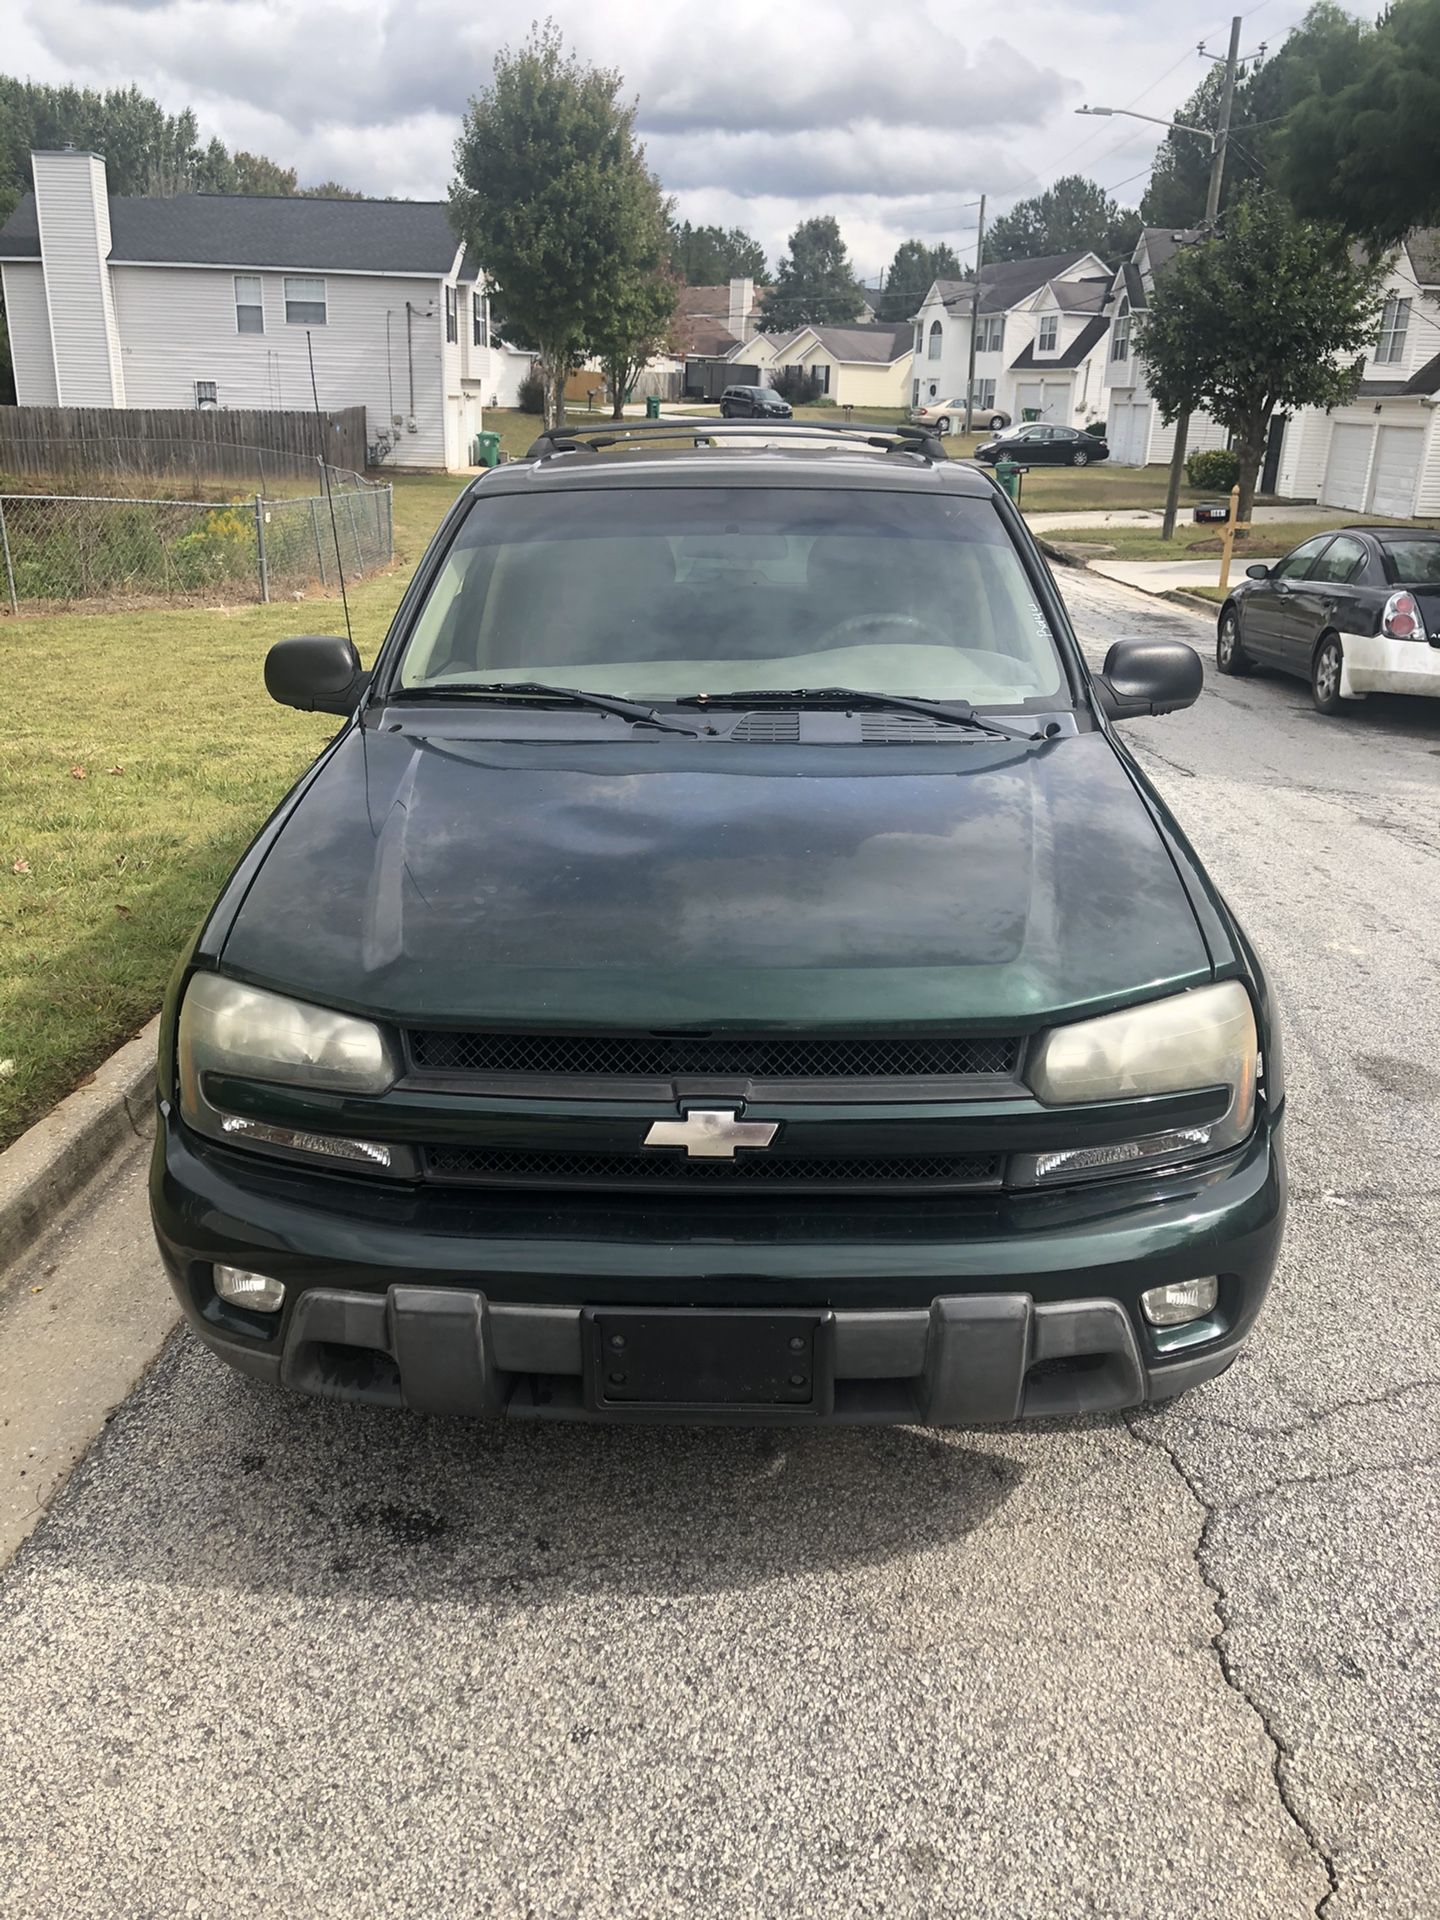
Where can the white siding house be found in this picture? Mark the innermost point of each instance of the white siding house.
(1137, 435)
(1039, 342)
(215, 300)
(1381, 454)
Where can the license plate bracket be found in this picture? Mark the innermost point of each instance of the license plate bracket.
(729, 1362)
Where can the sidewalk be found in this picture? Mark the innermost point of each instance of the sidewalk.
(1152, 517)
(1163, 576)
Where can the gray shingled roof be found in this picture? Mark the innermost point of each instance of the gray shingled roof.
(245, 230)
(1003, 283)
(1071, 357)
(878, 345)
(1423, 247)
(1162, 243)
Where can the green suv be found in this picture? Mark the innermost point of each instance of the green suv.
(726, 966)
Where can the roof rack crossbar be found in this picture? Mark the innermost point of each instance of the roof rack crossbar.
(884, 436)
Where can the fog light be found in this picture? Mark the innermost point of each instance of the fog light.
(244, 1289)
(1180, 1302)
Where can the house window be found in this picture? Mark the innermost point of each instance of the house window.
(1120, 344)
(919, 336)
(984, 395)
(249, 308)
(304, 302)
(990, 334)
(206, 394)
(1049, 333)
(914, 393)
(1393, 326)
(936, 333)
(478, 333)
(822, 378)
(452, 314)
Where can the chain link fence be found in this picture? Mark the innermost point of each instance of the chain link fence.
(56, 549)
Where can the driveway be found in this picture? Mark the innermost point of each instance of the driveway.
(269, 1656)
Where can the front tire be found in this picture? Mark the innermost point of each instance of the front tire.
(1325, 678)
(1230, 654)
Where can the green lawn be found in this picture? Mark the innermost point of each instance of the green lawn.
(140, 755)
(1266, 541)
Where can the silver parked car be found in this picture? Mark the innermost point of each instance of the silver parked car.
(948, 416)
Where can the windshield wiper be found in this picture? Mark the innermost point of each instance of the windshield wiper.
(957, 713)
(501, 690)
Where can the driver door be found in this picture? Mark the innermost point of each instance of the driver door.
(1264, 610)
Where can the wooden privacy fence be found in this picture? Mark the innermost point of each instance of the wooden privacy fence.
(202, 443)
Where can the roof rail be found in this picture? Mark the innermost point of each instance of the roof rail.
(884, 436)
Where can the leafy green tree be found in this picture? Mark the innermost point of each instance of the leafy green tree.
(708, 256)
(553, 192)
(639, 324)
(1269, 316)
(1069, 217)
(255, 174)
(910, 276)
(816, 285)
(1362, 144)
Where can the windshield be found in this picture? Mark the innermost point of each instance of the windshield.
(1415, 562)
(653, 594)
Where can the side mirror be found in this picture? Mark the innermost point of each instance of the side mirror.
(318, 673)
(1149, 676)
(1257, 571)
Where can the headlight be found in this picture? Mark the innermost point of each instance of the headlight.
(254, 1035)
(1185, 1044)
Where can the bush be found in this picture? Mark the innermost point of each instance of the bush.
(1216, 470)
(532, 394)
(1097, 427)
(799, 385)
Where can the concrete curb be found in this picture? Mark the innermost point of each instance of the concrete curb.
(41, 1172)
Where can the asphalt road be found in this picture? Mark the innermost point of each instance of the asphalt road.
(269, 1656)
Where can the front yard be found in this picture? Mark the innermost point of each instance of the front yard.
(141, 753)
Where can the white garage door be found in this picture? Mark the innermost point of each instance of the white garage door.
(1346, 468)
(1029, 398)
(1397, 469)
(1127, 434)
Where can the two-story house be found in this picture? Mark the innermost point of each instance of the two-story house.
(1381, 453)
(1137, 435)
(215, 300)
(1039, 339)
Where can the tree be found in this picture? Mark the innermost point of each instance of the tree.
(816, 285)
(910, 276)
(255, 174)
(553, 193)
(707, 256)
(638, 326)
(1069, 217)
(1269, 316)
(1362, 144)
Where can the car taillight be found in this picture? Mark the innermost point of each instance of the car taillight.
(1401, 619)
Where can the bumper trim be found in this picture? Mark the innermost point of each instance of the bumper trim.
(971, 1360)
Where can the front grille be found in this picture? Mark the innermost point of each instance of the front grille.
(663, 1056)
(550, 1167)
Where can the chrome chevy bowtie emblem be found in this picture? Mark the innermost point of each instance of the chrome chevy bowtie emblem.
(710, 1134)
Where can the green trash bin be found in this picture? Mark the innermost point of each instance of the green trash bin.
(1028, 414)
(652, 406)
(1008, 474)
(486, 450)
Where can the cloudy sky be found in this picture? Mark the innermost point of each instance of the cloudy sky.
(895, 118)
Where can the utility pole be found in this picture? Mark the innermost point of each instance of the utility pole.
(1212, 213)
(974, 319)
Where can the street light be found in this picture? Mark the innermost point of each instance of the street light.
(1181, 126)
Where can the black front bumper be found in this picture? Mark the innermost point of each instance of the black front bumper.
(939, 1312)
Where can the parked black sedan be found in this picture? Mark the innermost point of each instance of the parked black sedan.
(1353, 612)
(1035, 443)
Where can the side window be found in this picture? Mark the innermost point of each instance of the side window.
(1342, 561)
(1297, 565)
(452, 315)
(304, 302)
(936, 333)
(249, 304)
(477, 320)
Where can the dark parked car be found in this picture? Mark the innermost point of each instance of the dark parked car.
(1353, 612)
(727, 965)
(1037, 444)
(753, 403)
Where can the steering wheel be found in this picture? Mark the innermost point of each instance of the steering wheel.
(858, 622)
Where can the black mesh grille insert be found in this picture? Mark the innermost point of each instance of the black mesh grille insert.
(661, 1056)
(552, 1167)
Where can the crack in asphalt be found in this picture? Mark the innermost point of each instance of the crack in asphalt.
(1317, 1416)
(1281, 1752)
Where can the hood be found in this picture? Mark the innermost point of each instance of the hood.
(659, 883)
